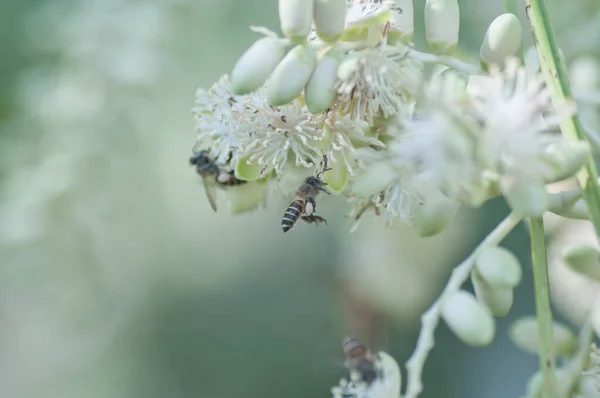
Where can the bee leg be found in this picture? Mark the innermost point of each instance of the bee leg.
(314, 219)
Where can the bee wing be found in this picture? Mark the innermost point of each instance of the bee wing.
(211, 193)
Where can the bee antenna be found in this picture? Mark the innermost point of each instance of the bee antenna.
(195, 147)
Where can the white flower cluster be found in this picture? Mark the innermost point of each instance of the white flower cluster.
(345, 84)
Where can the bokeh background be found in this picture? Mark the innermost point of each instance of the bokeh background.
(117, 279)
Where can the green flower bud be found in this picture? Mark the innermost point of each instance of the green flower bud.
(442, 23)
(360, 28)
(330, 19)
(502, 39)
(527, 197)
(295, 17)
(248, 170)
(565, 159)
(435, 214)
(498, 267)
(375, 179)
(585, 259)
(246, 197)
(291, 75)
(563, 382)
(402, 22)
(256, 65)
(524, 334)
(497, 300)
(470, 322)
(561, 202)
(319, 93)
(337, 177)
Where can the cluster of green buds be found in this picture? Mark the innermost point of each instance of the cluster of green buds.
(495, 274)
(345, 83)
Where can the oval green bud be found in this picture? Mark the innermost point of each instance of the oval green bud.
(375, 179)
(502, 39)
(564, 378)
(337, 177)
(246, 197)
(584, 259)
(330, 19)
(498, 266)
(565, 159)
(291, 75)
(524, 334)
(525, 196)
(442, 23)
(497, 300)
(435, 214)
(402, 22)
(250, 170)
(256, 65)
(295, 17)
(319, 93)
(468, 320)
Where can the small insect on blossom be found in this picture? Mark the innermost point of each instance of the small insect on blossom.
(372, 375)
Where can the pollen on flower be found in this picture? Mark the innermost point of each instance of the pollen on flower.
(344, 133)
(271, 134)
(518, 118)
(375, 82)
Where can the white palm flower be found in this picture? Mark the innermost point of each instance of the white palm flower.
(520, 123)
(217, 113)
(386, 385)
(377, 81)
(271, 135)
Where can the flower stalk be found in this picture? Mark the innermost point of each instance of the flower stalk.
(542, 307)
(557, 80)
(431, 317)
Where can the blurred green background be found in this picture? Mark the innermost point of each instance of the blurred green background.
(116, 278)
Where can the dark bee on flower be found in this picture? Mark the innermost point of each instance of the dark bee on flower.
(361, 360)
(304, 205)
(213, 175)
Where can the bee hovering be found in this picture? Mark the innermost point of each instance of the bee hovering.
(304, 205)
(361, 360)
(213, 175)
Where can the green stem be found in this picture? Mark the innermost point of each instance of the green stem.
(431, 318)
(542, 308)
(557, 81)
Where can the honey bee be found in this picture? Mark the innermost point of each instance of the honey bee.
(304, 205)
(213, 175)
(360, 359)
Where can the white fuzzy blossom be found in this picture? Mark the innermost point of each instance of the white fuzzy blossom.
(386, 385)
(377, 81)
(519, 120)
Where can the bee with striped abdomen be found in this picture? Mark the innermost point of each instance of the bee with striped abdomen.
(304, 205)
(213, 175)
(361, 360)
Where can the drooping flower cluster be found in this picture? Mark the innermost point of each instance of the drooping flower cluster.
(345, 85)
